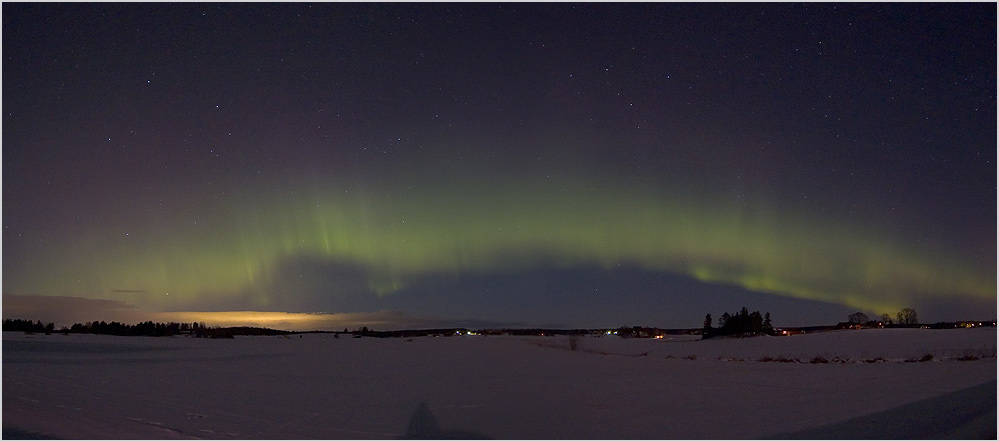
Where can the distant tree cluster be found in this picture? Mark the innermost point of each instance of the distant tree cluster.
(907, 316)
(886, 319)
(742, 323)
(24, 325)
(148, 328)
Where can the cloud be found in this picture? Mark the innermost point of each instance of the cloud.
(594, 297)
(386, 320)
(68, 310)
(545, 294)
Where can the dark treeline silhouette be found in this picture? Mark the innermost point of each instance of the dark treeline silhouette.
(907, 318)
(623, 332)
(24, 325)
(742, 323)
(255, 331)
(148, 328)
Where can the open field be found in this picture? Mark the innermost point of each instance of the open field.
(320, 387)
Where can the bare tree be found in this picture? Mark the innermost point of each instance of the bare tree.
(907, 316)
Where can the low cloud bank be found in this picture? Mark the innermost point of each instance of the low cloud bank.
(67, 310)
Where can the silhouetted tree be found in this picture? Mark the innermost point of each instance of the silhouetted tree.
(907, 316)
(723, 320)
(708, 329)
(742, 323)
(886, 318)
(23, 325)
(756, 322)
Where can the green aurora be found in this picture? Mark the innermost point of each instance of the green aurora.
(399, 232)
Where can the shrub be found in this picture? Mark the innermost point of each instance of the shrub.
(780, 359)
(926, 358)
(972, 354)
(819, 360)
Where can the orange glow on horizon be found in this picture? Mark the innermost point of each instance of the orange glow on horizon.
(284, 320)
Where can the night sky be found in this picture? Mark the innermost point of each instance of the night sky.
(555, 165)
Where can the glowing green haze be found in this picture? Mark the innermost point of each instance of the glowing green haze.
(402, 231)
(541, 164)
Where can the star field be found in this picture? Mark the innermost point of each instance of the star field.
(351, 158)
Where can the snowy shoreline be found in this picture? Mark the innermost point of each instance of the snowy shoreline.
(321, 387)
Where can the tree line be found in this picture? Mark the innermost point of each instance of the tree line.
(148, 328)
(906, 316)
(24, 325)
(743, 323)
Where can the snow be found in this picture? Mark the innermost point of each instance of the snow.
(319, 387)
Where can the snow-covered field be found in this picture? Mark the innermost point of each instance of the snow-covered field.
(320, 387)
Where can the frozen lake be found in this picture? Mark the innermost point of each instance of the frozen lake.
(320, 387)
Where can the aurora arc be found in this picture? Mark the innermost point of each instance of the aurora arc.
(550, 164)
(399, 231)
